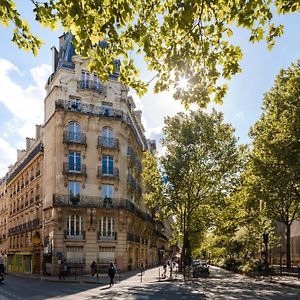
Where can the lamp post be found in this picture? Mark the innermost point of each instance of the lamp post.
(266, 241)
(280, 258)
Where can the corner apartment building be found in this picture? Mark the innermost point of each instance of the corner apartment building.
(75, 193)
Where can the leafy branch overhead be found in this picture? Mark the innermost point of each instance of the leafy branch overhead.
(187, 38)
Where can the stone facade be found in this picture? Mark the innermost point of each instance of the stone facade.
(75, 194)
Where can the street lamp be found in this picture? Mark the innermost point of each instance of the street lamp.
(266, 241)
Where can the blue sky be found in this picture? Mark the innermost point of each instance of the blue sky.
(23, 77)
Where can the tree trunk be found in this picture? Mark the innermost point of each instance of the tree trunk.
(288, 245)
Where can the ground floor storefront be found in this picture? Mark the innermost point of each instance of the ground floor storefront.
(24, 262)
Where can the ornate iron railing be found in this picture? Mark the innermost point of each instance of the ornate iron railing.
(74, 137)
(106, 142)
(24, 227)
(78, 169)
(92, 85)
(108, 172)
(112, 237)
(60, 200)
(95, 110)
(71, 235)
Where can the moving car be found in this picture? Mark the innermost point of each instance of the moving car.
(200, 268)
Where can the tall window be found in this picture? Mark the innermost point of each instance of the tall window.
(107, 137)
(74, 225)
(107, 226)
(85, 79)
(74, 190)
(107, 191)
(107, 165)
(74, 132)
(97, 83)
(74, 161)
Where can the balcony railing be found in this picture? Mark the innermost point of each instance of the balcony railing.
(24, 227)
(112, 237)
(71, 235)
(74, 137)
(134, 184)
(106, 142)
(77, 169)
(134, 159)
(60, 200)
(95, 110)
(108, 173)
(92, 85)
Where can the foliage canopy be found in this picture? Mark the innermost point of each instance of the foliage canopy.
(178, 39)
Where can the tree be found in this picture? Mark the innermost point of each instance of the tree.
(276, 150)
(187, 40)
(200, 164)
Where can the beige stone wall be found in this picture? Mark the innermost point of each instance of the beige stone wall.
(135, 239)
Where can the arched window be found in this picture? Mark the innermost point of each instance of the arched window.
(107, 228)
(74, 132)
(107, 137)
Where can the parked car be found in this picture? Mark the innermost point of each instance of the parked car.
(200, 268)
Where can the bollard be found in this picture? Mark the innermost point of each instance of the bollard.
(119, 276)
(141, 275)
(158, 274)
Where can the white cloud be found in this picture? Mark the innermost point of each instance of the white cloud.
(8, 156)
(155, 108)
(24, 104)
(240, 115)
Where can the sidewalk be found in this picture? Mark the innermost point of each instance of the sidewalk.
(150, 275)
(286, 280)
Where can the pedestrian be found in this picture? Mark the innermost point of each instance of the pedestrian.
(65, 269)
(142, 266)
(164, 274)
(93, 268)
(61, 272)
(171, 266)
(298, 271)
(111, 273)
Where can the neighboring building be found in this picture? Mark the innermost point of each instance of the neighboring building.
(277, 255)
(75, 194)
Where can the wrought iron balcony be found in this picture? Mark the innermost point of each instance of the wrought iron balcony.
(70, 137)
(90, 109)
(134, 159)
(108, 173)
(92, 85)
(61, 200)
(77, 169)
(71, 235)
(112, 237)
(24, 227)
(106, 142)
(134, 184)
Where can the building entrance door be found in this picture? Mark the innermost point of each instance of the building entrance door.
(27, 263)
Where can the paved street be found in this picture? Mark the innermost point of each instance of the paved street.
(220, 285)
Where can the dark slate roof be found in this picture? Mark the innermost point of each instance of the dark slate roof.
(67, 51)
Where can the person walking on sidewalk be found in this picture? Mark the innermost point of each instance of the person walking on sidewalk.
(61, 272)
(111, 273)
(93, 268)
(142, 267)
(164, 274)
